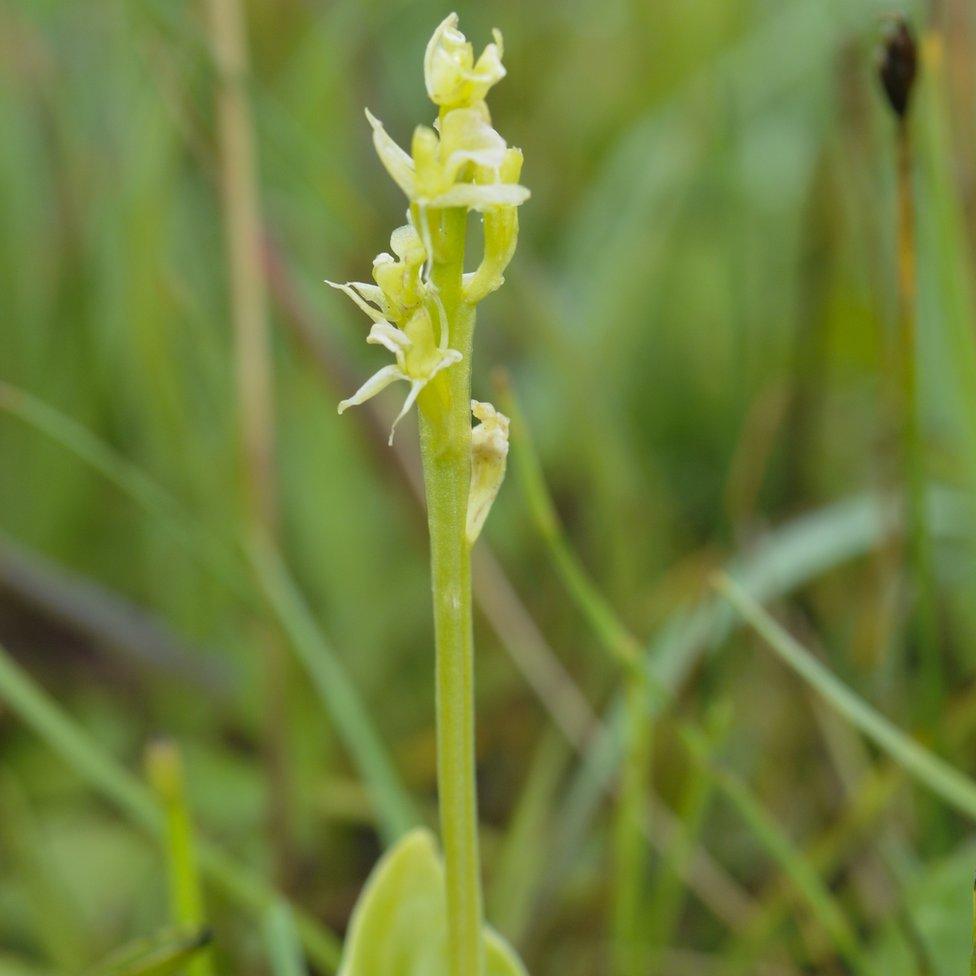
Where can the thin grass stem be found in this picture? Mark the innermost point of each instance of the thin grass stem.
(164, 769)
(281, 939)
(254, 381)
(947, 782)
(925, 619)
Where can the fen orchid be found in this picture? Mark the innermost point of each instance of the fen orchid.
(422, 306)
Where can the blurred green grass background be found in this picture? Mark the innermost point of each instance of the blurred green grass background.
(697, 324)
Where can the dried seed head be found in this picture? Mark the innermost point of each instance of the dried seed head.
(898, 65)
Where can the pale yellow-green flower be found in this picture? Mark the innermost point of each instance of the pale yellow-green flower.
(402, 322)
(489, 456)
(418, 360)
(450, 72)
(460, 162)
(458, 166)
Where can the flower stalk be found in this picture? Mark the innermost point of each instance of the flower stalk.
(446, 451)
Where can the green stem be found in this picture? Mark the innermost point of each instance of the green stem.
(446, 451)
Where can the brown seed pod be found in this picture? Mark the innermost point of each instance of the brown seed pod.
(898, 65)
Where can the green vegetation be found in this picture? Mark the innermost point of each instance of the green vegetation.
(722, 606)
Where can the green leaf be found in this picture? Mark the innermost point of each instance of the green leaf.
(399, 926)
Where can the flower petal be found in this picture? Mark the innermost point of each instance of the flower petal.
(447, 55)
(450, 357)
(415, 387)
(353, 289)
(407, 245)
(489, 69)
(467, 135)
(397, 162)
(481, 196)
(390, 337)
(380, 380)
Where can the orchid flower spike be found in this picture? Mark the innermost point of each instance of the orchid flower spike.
(460, 163)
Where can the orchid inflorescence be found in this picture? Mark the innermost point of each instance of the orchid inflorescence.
(462, 162)
(421, 912)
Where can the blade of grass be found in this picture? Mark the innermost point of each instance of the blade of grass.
(666, 896)
(947, 782)
(281, 940)
(521, 858)
(618, 641)
(621, 644)
(254, 376)
(824, 856)
(128, 478)
(336, 691)
(630, 947)
(160, 955)
(846, 835)
(630, 854)
(164, 770)
(793, 554)
(393, 805)
(911, 428)
(794, 865)
(615, 637)
(109, 778)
